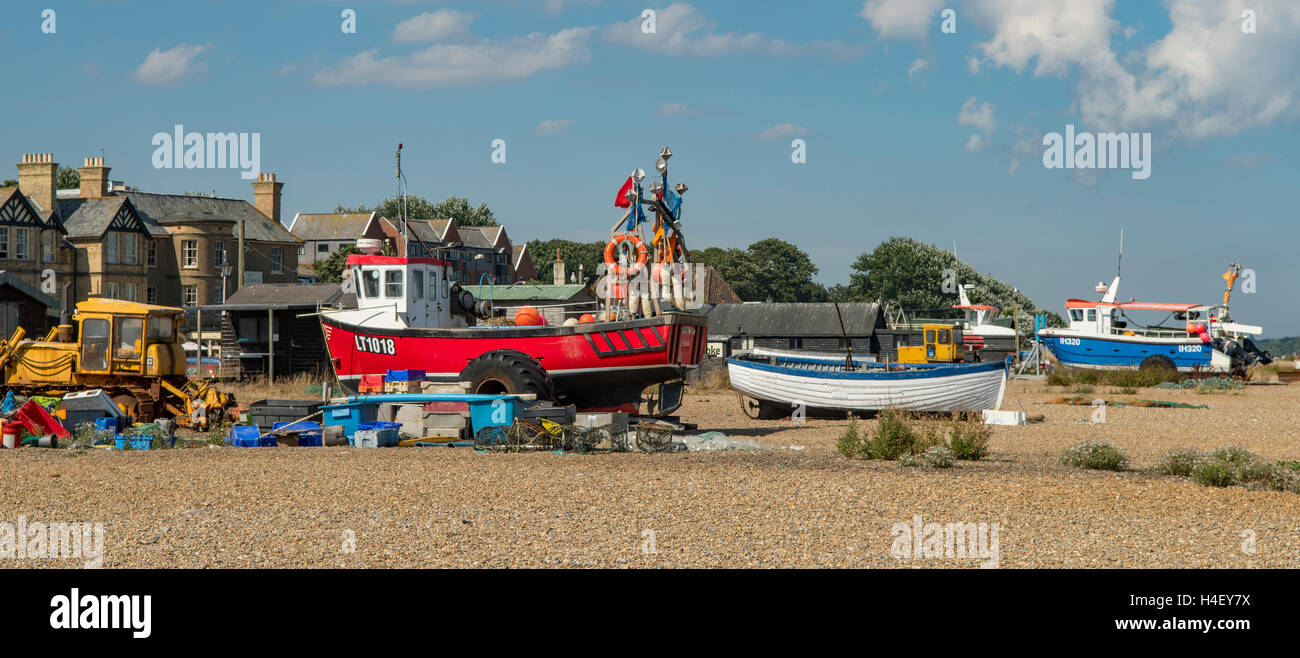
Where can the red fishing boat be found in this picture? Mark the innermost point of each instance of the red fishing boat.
(411, 315)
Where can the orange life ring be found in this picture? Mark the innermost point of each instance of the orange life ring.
(611, 262)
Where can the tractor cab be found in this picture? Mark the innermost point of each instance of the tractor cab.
(118, 337)
(942, 343)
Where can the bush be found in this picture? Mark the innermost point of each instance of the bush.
(909, 461)
(894, 436)
(1117, 378)
(1214, 473)
(1180, 462)
(938, 457)
(968, 438)
(1096, 455)
(850, 443)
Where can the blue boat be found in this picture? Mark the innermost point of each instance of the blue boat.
(1102, 336)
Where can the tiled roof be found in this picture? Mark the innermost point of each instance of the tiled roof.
(793, 319)
(89, 218)
(179, 208)
(330, 226)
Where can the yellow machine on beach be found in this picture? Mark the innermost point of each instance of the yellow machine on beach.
(132, 351)
(942, 344)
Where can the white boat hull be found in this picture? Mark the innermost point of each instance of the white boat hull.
(966, 389)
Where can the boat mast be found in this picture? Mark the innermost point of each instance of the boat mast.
(401, 200)
(848, 344)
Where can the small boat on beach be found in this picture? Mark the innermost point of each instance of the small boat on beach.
(783, 382)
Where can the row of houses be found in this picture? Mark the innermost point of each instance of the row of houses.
(105, 239)
(479, 254)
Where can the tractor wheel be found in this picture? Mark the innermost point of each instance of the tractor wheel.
(1157, 362)
(508, 371)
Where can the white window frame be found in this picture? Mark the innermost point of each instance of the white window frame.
(190, 251)
(22, 244)
(4, 242)
(130, 249)
(190, 295)
(49, 242)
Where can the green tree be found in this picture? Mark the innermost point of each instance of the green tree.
(67, 179)
(768, 269)
(330, 270)
(9, 182)
(587, 254)
(911, 273)
(418, 207)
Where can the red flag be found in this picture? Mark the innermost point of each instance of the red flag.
(621, 200)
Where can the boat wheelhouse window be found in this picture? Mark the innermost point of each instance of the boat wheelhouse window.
(1092, 315)
(417, 284)
(1076, 314)
(393, 283)
(370, 279)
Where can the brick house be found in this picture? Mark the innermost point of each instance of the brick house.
(139, 246)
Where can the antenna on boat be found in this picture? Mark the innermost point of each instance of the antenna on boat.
(1120, 262)
(848, 344)
(401, 196)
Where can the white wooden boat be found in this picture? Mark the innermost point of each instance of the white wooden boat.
(822, 383)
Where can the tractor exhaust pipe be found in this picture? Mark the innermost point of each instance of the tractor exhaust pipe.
(66, 332)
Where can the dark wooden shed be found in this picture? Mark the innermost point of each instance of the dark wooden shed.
(22, 305)
(273, 328)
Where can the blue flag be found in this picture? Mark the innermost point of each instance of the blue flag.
(674, 203)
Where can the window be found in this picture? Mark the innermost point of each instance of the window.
(160, 329)
(218, 253)
(446, 288)
(128, 292)
(190, 295)
(94, 344)
(130, 334)
(417, 284)
(112, 253)
(151, 253)
(130, 249)
(323, 248)
(943, 336)
(370, 280)
(1092, 315)
(151, 295)
(929, 336)
(189, 253)
(393, 283)
(47, 248)
(301, 250)
(110, 290)
(4, 241)
(21, 246)
(453, 254)
(277, 256)
(1076, 315)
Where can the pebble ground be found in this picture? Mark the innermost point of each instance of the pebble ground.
(799, 504)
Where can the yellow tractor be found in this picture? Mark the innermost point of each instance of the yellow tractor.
(942, 343)
(131, 351)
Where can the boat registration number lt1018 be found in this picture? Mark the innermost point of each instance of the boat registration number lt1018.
(375, 345)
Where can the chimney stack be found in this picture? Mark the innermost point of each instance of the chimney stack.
(266, 195)
(36, 175)
(559, 269)
(94, 178)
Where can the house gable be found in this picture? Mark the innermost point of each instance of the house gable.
(16, 210)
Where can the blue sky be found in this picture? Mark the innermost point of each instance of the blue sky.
(909, 131)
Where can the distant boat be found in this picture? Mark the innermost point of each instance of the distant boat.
(782, 382)
(1101, 337)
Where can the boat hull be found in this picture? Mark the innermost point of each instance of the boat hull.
(603, 366)
(817, 384)
(1116, 353)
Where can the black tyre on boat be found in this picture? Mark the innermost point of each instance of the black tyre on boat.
(508, 371)
(1158, 362)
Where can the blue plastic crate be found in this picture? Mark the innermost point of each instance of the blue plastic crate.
(249, 436)
(405, 376)
(109, 424)
(136, 442)
(379, 425)
(313, 437)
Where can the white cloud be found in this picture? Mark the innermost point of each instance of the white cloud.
(164, 67)
(439, 25)
(907, 19)
(782, 131)
(557, 6)
(979, 116)
(463, 64)
(681, 29)
(917, 66)
(673, 110)
(551, 126)
(1205, 78)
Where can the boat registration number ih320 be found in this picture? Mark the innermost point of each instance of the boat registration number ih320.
(375, 344)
